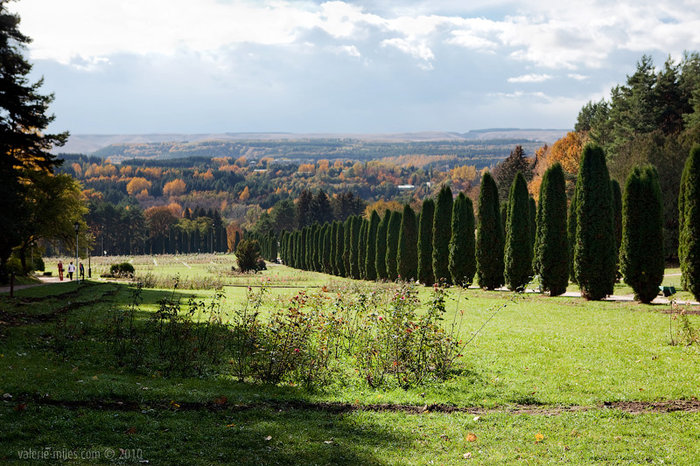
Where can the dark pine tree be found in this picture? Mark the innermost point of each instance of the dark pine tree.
(551, 261)
(642, 250)
(518, 250)
(408, 245)
(689, 240)
(304, 208)
(392, 245)
(425, 243)
(594, 251)
(462, 245)
(382, 233)
(489, 236)
(371, 256)
(442, 233)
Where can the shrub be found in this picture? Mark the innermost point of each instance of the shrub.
(642, 250)
(123, 270)
(248, 255)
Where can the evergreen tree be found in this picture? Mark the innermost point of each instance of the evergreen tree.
(355, 226)
(347, 230)
(504, 218)
(340, 250)
(551, 261)
(371, 256)
(392, 245)
(642, 252)
(518, 250)
(316, 248)
(407, 253)
(24, 146)
(304, 208)
(617, 216)
(571, 234)
(362, 247)
(425, 243)
(442, 232)
(327, 248)
(489, 236)
(462, 246)
(689, 242)
(302, 248)
(532, 221)
(594, 251)
(382, 233)
(321, 210)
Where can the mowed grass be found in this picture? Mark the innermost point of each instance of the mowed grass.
(535, 351)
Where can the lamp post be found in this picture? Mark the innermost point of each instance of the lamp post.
(76, 225)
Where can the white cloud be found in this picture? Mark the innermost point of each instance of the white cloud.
(530, 78)
(578, 77)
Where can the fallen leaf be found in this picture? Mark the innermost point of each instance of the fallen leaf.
(222, 400)
(268, 438)
(476, 418)
(471, 437)
(467, 455)
(538, 437)
(230, 425)
(130, 430)
(174, 405)
(94, 377)
(20, 407)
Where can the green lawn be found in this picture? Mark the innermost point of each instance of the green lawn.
(536, 377)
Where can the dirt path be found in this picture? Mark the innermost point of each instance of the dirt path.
(221, 403)
(43, 281)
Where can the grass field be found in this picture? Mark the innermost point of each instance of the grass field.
(545, 380)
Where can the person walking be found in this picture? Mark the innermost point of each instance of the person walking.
(82, 271)
(60, 270)
(71, 270)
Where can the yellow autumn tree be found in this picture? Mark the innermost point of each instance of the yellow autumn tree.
(137, 185)
(174, 187)
(245, 194)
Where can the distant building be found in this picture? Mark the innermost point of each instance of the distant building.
(406, 186)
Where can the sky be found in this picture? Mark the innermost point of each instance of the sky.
(209, 66)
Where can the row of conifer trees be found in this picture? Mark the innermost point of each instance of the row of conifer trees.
(597, 235)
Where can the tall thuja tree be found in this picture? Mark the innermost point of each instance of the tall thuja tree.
(462, 246)
(332, 252)
(571, 233)
(642, 250)
(340, 250)
(327, 248)
(355, 227)
(594, 251)
(425, 243)
(316, 249)
(362, 249)
(408, 245)
(371, 256)
(617, 218)
(392, 245)
(689, 241)
(347, 230)
(551, 254)
(442, 232)
(532, 221)
(504, 218)
(489, 236)
(301, 251)
(518, 251)
(380, 253)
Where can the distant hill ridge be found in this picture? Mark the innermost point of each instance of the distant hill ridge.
(160, 145)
